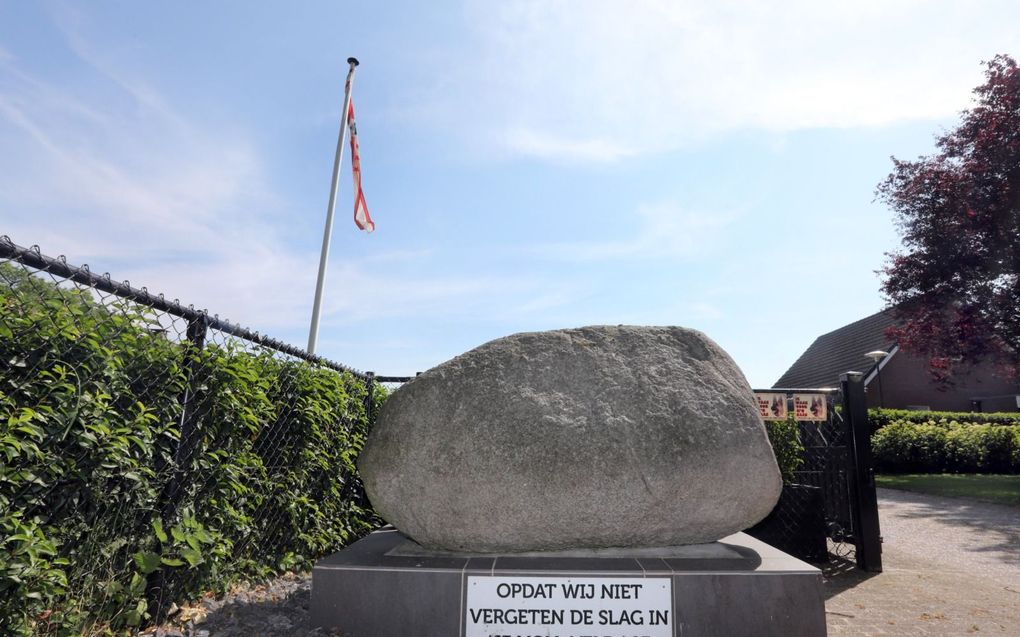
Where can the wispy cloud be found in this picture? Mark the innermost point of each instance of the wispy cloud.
(121, 170)
(550, 146)
(662, 230)
(599, 80)
(119, 176)
(274, 288)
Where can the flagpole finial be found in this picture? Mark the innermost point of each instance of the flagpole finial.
(353, 61)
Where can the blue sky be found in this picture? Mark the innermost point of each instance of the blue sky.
(529, 165)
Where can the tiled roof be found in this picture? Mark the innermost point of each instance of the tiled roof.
(838, 352)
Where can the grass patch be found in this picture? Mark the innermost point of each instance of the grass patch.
(999, 489)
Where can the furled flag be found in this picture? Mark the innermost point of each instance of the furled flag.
(361, 217)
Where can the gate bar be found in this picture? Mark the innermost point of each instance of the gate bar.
(865, 510)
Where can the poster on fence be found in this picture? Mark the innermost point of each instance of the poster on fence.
(810, 407)
(771, 406)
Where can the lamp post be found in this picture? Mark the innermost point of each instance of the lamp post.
(876, 356)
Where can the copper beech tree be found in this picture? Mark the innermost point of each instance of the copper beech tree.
(955, 283)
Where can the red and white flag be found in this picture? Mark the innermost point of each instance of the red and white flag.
(361, 217)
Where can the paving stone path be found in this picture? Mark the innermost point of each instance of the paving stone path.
(952, 567)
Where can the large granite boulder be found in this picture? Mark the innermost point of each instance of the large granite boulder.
(580, 438)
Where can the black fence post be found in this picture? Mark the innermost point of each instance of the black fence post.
(198, 329)
(865, 501)
(370, 397)
(170, 498)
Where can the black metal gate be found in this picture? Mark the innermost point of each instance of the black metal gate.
(839, 478)
(828, 456)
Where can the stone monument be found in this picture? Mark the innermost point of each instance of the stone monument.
(540, 467)
(585, 438)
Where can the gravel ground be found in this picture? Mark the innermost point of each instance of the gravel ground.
(952, 567)
(275, 608)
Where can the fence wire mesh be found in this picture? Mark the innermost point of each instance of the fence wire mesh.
(150, 451)
(813, 519)
(827, 467)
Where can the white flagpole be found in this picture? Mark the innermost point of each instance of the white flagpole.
(313, 330)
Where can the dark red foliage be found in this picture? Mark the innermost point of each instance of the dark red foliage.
(956, 282)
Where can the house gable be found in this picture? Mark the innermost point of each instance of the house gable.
(838, 352)
(904, 381)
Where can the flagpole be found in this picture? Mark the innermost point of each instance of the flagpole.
(313, 330)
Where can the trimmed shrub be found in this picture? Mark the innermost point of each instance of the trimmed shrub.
(882, 417)
(785, 438)
(901, 447)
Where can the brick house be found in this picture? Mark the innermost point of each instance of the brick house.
(899, 380)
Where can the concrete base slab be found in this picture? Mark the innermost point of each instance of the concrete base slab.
(388, 586)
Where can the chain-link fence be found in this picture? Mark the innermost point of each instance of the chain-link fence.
(150, 451)
(797, 524)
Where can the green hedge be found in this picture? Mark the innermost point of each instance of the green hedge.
(784, 435)
(938, 447)
(90, 411)
(882, 417)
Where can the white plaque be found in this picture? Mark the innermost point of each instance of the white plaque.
(569, 607)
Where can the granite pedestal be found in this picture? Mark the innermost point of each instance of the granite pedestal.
(387, 586)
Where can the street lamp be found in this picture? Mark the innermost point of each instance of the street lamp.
(877, 356)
